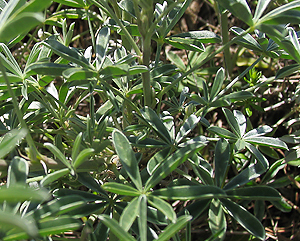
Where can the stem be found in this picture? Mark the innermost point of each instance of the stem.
(91, 29)
(33, 152)
(225, 39)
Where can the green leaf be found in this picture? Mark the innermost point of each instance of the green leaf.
(218, 83)
(155, 160)
(203, 36)
(72, 3)
(113, 71)
(254, 193)
(239, 8)
(11, 221)
(259, 157)
(129, 214)
(115, 228)
(173, 228)
(260, 8)
(127, 157)
(287, 13)
(246, 219)
(258, 131)
(87, 180)
(19, 194)
(18, 18)
(287, 70)
(10, 140)
(101, 46)
(282, 205)
(156, 123)
(78, 74)
(175, 15)
(187, 127)
(251, 172)
(162, 206)
(222, 132)
(52, 177)
(247, 40)
(59, 155)
(67, 53)
(76, 146)
(120, 189)
(185, 43)
(82, 157)
(17, 172)
(142, 220)
(172, 162)
(51, 69)
(267, 141)
(232, 121)
(222, 156)
(189, 192)
(217, 221)
(239, 96)
(241, 120)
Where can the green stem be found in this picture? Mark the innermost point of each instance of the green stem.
(33, 152)
(225, 39)
(91, 29)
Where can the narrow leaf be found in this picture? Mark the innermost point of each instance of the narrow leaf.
(222, 155)
(246, 219)
(120, 189)
(189, 192)
(173, 228)
(127, 157)
(129, 214)
(115, 228)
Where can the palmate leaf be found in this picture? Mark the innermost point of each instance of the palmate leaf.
(73, 3)
(127, 157)
(172, 162)
(246, 219)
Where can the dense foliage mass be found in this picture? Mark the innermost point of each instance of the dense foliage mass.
(149, 119)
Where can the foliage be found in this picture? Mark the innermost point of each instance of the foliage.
(148, 161)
